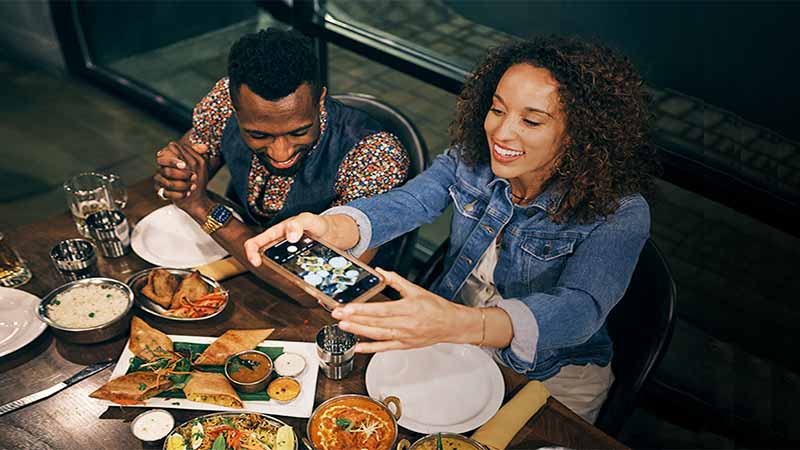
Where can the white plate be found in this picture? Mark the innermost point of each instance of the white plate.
(302, 406)
(442, 388)
(19, 324)
(169, 237)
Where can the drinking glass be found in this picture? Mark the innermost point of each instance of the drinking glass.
(91, 192)
(13, 270)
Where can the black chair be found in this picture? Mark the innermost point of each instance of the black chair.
(641, 328)
(398, 124)
(640, 325)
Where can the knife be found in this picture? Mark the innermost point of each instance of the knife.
(52, 390)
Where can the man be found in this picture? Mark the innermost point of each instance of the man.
(289, 147)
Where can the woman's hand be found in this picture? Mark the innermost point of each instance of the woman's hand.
(338, 230)
(420, 318)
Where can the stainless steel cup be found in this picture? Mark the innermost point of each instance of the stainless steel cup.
(75, 259)
(335, 350)
(110, 232)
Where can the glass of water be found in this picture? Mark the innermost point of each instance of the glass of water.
(90, 192)
(13, 270)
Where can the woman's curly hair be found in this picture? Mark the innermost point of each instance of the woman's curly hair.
(606, 155)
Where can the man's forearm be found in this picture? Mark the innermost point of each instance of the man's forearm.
(232, 237)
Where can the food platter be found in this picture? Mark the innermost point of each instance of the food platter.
(302, 406)
(138, 280)
(190, 427)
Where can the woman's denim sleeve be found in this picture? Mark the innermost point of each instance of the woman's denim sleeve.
(421, 200)
(593, 280)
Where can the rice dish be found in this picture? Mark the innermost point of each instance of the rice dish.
(87, 306)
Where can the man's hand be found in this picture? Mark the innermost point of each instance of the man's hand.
(182, 173)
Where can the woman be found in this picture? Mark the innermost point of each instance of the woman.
(546, 171)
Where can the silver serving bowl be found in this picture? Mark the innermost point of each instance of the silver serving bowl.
(98, 333)
(391, 400)
(471, 443)
(138, 280)
(202, 419)
(254, 386)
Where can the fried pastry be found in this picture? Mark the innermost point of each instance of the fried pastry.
(191, 288)
(160, 287)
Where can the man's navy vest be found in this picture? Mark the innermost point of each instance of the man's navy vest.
(313, 186)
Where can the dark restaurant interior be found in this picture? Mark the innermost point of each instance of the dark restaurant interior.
(102, 85)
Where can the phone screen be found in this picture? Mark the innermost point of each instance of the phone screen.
(323, 268)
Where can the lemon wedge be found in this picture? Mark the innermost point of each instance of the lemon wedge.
(176, 442)
(285, 438)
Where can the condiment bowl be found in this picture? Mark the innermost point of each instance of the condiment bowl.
(464, 442)
(152, 434)
(89, 335)
(253, 386)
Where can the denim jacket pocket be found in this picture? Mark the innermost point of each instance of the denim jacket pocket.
(467, 204)
(548, 248)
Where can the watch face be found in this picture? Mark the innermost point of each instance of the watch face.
(221, 214)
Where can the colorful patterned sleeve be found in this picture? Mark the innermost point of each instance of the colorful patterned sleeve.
(375, 165)
(210, 116)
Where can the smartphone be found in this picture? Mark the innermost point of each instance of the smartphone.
(334, 278)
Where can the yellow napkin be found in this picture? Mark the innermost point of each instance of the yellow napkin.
(222, 269)
(501, 429)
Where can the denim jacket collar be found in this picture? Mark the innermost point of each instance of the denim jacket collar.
(549, 199)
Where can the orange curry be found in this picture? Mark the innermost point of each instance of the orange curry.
(352, 423)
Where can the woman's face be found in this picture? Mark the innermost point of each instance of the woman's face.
(525, 125)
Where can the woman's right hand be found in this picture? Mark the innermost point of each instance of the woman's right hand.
(338, 230)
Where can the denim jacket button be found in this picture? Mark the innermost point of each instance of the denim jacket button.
(546, 249)
(488, 229)
(469, 206)
(468, 260)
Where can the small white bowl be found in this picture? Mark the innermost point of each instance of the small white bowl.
(290, 364)
(152, 426)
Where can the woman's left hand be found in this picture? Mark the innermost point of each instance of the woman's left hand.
(420, 318)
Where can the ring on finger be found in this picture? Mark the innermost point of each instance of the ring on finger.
(161, 193)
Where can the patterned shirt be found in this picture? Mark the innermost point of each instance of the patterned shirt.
(373, 166)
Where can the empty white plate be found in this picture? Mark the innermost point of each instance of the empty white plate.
(19, 324)
(442, 388)
(169, 237)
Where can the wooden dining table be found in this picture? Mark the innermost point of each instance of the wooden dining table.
(71, 420)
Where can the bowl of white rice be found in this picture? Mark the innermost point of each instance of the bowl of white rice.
(88, 311)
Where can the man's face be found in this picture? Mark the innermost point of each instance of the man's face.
(280, 132)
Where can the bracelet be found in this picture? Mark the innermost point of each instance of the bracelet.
(483, 327)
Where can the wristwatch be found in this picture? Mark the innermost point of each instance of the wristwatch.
(217, 218)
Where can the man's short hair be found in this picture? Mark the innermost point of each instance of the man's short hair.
(273, 63)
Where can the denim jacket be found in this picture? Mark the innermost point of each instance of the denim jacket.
(558, 281)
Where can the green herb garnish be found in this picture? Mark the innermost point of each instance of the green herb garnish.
(108, 295)
(219, 443)
(439, 441)
(91, 314)
(142, 386)
(56, 302)
(237, 363)
(228, 422)
(344, 423)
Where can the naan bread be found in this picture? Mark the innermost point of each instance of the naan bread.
(160, 287)
(147, 342)
(191, 288)
(133, 388)
(233, 341)
(211, 388)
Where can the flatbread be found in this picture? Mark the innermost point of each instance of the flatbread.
(211, 388)
(133, 388)
(232, 342)
(160, 287)
(147, 342)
